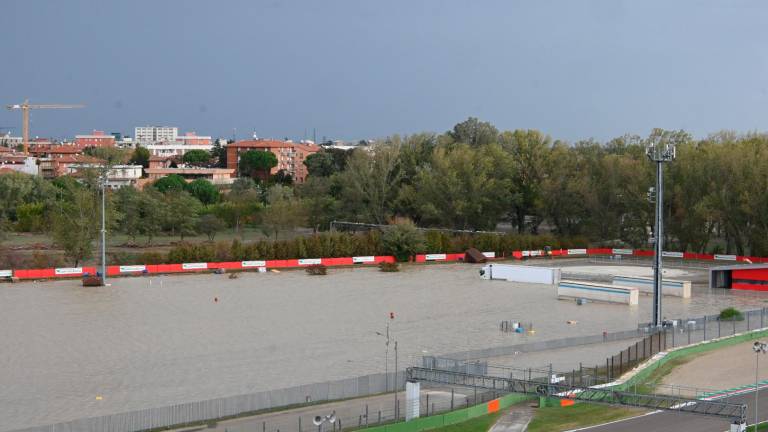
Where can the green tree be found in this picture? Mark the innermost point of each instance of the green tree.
(128, 202)
(219, 153)
(474, 133)
(74, 229)
(209, 225)
(464, 189)
(283, 215)
(172, 182)
(528, 149)
(204, 191)
(30, 217)
(402, 240)
(111, 155)
(140, 156)
(153, 213)
(257, 164)
(282, 177)
(370, 183)
(196, 157)
(181, 214)
(320, 164)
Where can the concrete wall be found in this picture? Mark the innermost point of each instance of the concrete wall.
(669, 287)
(526, 274)
(597, 292)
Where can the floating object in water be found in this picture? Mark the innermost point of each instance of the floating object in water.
(215, 299)
(581, 301)
(275, 271)
(98, 397)
(572, 322)
(233, 276)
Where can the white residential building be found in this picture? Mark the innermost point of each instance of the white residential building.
(155, 134)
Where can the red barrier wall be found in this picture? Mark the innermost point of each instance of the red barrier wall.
(348, 261)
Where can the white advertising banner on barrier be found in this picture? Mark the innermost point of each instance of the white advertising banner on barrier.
(672, 254)
(310, 261)
(69, 270)
(622, 251)
(363, 259)
(489, 254)
(577, 251)
(132, 268)
(725, 257)
(194, 266)
(6, 273)
(536, 253)
(253, 263)
(434, 257)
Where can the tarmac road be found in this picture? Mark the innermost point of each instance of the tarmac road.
(663, 421)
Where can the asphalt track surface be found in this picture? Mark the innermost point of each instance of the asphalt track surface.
(675, 421)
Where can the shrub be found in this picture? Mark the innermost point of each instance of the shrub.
(731, 314)
(389, 267)
(317, 270)
(402, 240)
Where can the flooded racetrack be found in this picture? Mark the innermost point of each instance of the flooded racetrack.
(147, 342)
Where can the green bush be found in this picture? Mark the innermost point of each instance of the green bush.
(389, 267)
(731, 314)
(402, 240)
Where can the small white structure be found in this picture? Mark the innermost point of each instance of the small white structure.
(598, 292)
(412, 403)
(676, 288)
(518, 273)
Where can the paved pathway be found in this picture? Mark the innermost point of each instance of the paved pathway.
(516, 419)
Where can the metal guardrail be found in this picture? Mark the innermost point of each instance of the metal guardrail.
(727, 410)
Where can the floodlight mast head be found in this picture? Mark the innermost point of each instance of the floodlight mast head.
(660, 152)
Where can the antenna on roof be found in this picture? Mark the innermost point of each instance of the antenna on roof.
(254, 135)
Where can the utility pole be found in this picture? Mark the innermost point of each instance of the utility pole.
(659, 154)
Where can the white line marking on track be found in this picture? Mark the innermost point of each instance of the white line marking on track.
(615, 421)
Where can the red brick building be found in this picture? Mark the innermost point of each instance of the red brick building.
(96, 139)
(290, 155)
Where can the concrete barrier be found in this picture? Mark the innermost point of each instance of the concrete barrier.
(597, 292)
(517, 273)
(676, 288)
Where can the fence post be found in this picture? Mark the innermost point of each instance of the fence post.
(451, 399)
(718, 328)
(299, 424)
(621, 362)
(734, 326)
(748, 320)
(705, 327)
(263, 426)
(762, 315)
(674, 330)
(581, 375)
(379, 421)
(427, 404)
(366, 415)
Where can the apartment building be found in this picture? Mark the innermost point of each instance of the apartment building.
(155, 134)
(95, 139)
(290, 155)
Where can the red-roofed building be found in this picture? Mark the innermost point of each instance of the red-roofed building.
(290, 155)
(55, 151)
(60, 165)
(96, 139)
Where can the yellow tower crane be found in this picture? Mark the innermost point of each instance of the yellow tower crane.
(25, 107)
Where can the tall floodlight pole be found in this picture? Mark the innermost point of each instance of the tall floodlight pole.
(758, 347)
(103, 229)
(659, 154)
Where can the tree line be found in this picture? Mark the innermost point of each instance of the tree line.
(472, 177)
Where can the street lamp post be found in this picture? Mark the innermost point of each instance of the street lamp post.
(758, 347)
(659, 154)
